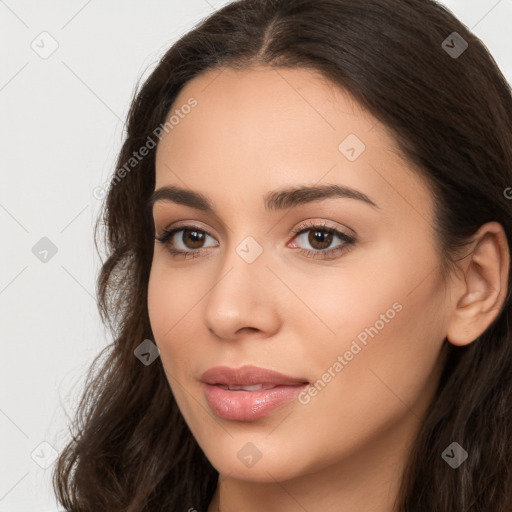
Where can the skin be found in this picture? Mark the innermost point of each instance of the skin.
(259, 130)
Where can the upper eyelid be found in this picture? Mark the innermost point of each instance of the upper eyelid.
(185, 226)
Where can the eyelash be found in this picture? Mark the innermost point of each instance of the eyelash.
(315, 253)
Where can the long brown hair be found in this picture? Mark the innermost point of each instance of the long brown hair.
(452, 117)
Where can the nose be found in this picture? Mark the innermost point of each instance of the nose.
(243, 299)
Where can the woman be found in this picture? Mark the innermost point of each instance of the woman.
(309, 272)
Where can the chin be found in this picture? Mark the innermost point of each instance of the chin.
(256, 463)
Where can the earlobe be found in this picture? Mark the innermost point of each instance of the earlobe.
(479, 291)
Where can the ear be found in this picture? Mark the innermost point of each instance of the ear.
(479, 290)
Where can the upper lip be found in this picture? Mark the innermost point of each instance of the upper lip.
(248, 376)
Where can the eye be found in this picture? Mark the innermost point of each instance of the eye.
(320, 238)
(190, 241)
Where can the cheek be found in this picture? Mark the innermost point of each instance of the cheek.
(172, 297)
(171, 308)
(389, 346)
(171, 303)
(382, 359)
(161, 303)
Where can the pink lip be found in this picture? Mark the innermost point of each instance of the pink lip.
(245, 405)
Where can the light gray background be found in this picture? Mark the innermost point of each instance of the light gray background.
(60, 130)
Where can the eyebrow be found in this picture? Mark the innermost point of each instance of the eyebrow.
(274, 200)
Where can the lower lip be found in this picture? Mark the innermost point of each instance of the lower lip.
(248, 405)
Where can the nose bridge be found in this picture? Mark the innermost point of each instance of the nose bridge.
(242, 293)
(246, 248)
(242, 273)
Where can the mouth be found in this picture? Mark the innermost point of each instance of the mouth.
(249, 392)
(255, 387)
(248, 376)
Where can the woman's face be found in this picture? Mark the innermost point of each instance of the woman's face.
(360, 316)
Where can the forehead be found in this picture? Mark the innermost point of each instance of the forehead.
(262, 128)
(262, 108)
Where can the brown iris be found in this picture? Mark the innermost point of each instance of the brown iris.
(323, 237)
(196, 238)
